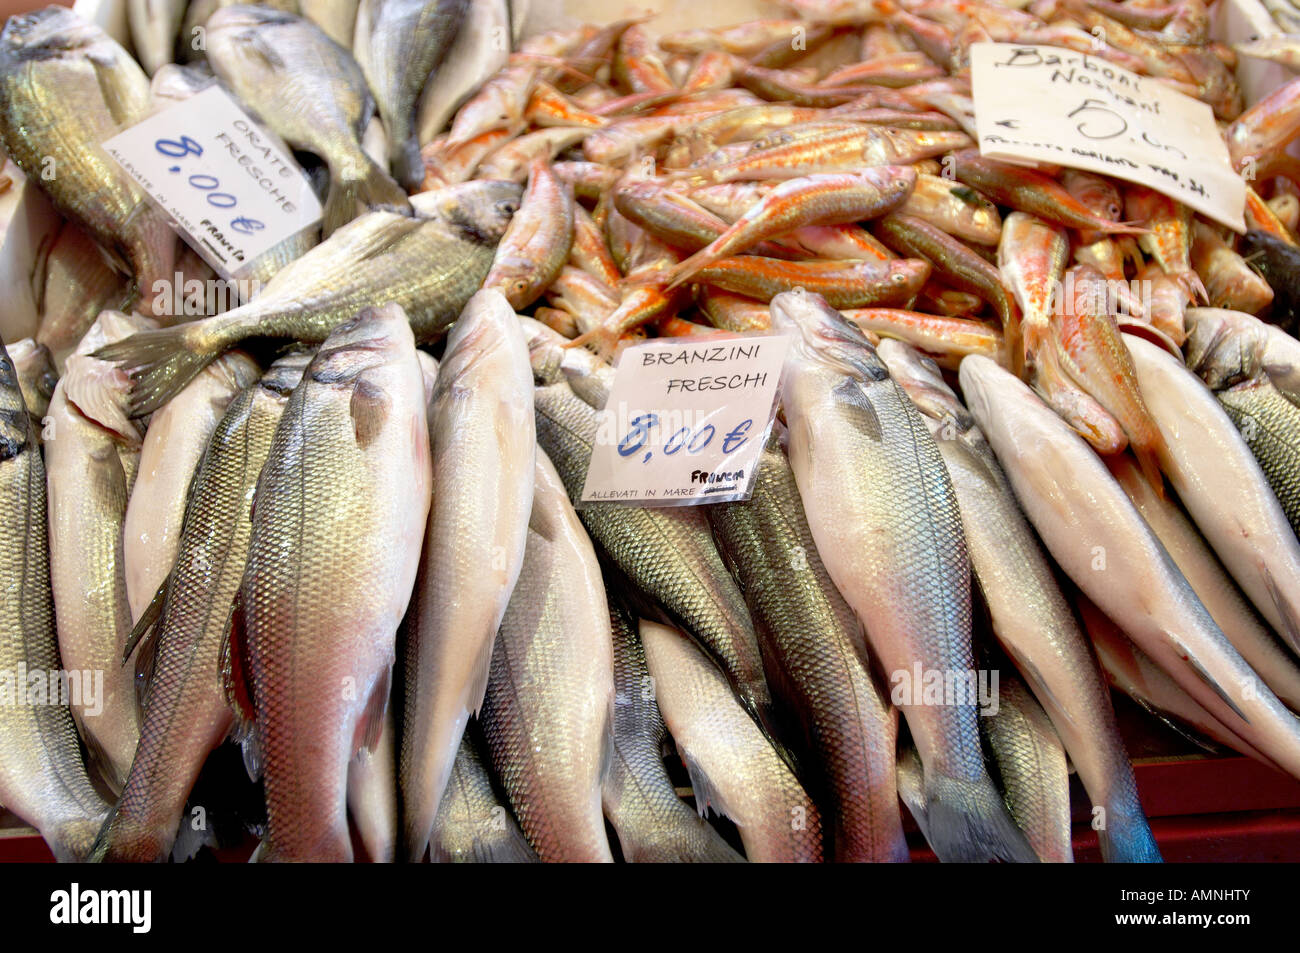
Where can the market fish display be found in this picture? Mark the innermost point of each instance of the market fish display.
(339, 508)
(483, 443)
(679, 182)
(1030, 615)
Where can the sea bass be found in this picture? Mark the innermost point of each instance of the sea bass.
(340, 507)
(893, 545)
(548, 709)
(484, 450)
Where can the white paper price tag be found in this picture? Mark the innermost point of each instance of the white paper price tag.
(231, 192)
(1048, 104)
(686, 420)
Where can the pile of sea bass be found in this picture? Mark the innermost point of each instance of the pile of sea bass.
(1035, 421)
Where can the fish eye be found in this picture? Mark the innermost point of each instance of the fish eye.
(507, 207)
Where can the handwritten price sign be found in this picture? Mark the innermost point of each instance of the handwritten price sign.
(1048, 104)
(686, 420)
(232, 191)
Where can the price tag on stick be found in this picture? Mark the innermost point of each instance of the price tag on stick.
(1048, 104)
(686, 420)
(231, 191)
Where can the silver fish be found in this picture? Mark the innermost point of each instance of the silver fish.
(154, 27)
(548, 709)
(484, 447)
(474, 823)
(481, 48)
(886, 522)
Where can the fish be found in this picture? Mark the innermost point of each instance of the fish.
(1270, 425)
(1134, 673)
(1086, 521)
(474, 823)
(958, 210)
(169, 456)
(154, 27)
(946, 340)
(186, 714)
(372, 795)
(538, 240)
(1030, 616)
(639, 799)
(814, 643)
(668, 554)
(66, 87)
(308, 90)
(75, 284)
(893, 545)
(406, 42)
(1229, 281)
(548, 711)
(845, 284)
(481, 48)
(811, 200)
(1277, 262)
(1230, 609)
(87, 491)
(42, 777)
(1169, 236)
(37, 378)
(1282, 49)
(484, 454)
(1231, 502)
(340, 506)
(372, 259)
(1226, 347)
(733, 768)
(1032, 255)
(1031, 766)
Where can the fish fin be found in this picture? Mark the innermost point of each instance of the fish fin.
(146, 621)
(408, 167)
(864, 415)
(371, 723)
(369, 408)
(146, 660)
(706, 795)
(376, 189)
(99, 848)
(1203, 673)
(1290, 624)
(1126, 838)
(97, 757)
(911, 788)
(968, 822)
(161, 362)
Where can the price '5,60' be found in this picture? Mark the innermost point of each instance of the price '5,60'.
(185, 146)
(684, 439)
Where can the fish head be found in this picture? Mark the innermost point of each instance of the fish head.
(479, 211)
(286, 372)
(1223, 347)
(904, 276)
(923, 383)
(824, 336)
(48, 34)
(365, 341)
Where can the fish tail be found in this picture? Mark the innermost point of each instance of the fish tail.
(602, 340)
(1124, 228)
(1192, 286)
(1125, 838)
(967, 822)
(372, 188)
(161, 362)
(408, 167)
